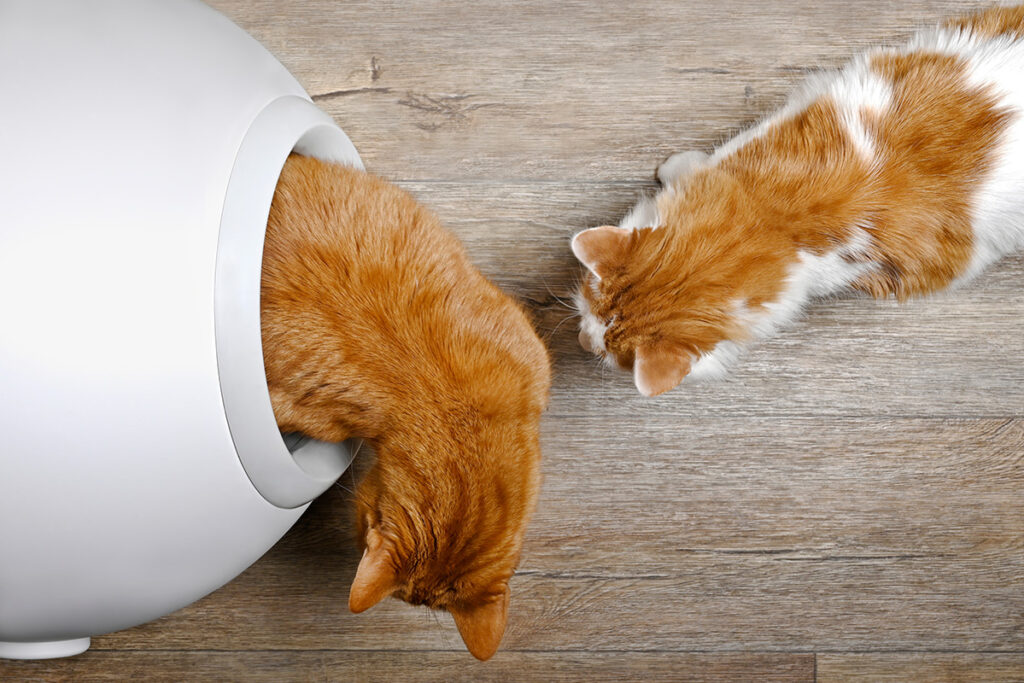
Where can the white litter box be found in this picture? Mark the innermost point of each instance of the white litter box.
(140, 463)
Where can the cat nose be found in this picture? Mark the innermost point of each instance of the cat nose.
(585, 342)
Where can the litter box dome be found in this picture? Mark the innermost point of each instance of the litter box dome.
(140, 463)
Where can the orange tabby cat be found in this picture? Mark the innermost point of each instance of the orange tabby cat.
(900, 175)
(376, 325)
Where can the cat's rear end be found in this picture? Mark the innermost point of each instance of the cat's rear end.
(376, 325)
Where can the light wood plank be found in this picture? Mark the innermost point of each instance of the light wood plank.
(559, 90)
(715, 535)
(170, 667)
(423, 667)
(929, 667)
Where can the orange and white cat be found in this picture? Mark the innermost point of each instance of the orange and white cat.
(899, 175)
(376, 325)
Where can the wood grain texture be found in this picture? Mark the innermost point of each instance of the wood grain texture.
(921, 668)
(423, 667)
(782, 535)
(855, 490)
(559, 90)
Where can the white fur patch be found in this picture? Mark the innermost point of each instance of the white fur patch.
(592, 328)
(714, 365)
(643, 215)
(679, 166)
(855, 91)
(811, 277)
(817, 276)
(997, 211)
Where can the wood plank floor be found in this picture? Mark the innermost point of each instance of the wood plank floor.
(848, 506)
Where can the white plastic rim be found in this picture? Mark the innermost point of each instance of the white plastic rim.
(286, 478)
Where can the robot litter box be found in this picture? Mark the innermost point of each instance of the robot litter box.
(140, 463)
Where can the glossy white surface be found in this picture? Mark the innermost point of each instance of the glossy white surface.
(122, 497)
(283, 479)
(44, 650)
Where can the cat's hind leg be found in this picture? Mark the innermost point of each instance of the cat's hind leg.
(679, 166)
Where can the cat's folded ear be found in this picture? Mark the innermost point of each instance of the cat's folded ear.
(601, 249)
(376, 577)
(482, 626)
(658, 368)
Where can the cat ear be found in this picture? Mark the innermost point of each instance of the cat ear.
(375, 578)
(482, 627)
(599, 249)
(656, 369)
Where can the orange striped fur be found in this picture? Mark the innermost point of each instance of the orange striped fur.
(880, 178)
(376, 325)
(993, 22)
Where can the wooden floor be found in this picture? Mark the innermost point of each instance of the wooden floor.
(850, 505)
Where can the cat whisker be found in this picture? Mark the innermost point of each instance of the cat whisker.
(599, 362)
(359, 446)
(344, 488)
(448, 642)
(551, 334)
(558, 299)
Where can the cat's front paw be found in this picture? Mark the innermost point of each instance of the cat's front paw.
(680, 165)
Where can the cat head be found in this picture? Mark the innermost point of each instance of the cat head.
(443, 512)
(657, 301)
(449, 540)
(624, 318)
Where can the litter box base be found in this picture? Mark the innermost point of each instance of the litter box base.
(45, 650)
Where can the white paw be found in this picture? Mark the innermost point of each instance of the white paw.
(679, 166)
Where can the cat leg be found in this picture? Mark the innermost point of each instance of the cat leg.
(645, 213)
(679, 166)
